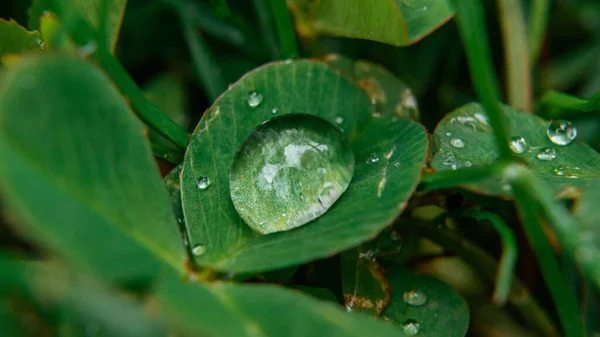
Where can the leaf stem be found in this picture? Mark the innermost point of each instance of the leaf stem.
(471, 23)
(538, 21)
(285, 28)
(508, 260)
(516, 54)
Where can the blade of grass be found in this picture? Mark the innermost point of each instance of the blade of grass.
(221, 8)
(471, 23)
(516, 54)
(538, 21)
(526, 192)
(207, 69)
(285, 28)
(556, 104)
(267, 26)
(167, 154)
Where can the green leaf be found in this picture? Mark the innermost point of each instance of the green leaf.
(390, 96)
(60, 291)
(382, 188)
(93, 199)
(575, 165)
(436, 307)
(225, 309)
(396, 22)
(15, 39)
(364, 284)
(91, 11)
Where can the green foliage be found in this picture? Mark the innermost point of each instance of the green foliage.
(446, 184)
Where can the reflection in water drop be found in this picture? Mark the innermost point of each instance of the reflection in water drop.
(289, 171)
(546, 154)
(410, 327)
(561, 132)
(254, 99)
(517, 144)
(414, 298)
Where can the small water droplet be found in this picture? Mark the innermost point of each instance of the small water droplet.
(559, 171)
(274, 110)
(397, 164)
(546, 154)
(254, 99)
(87, 49)
(468, 164)
(448, 134)
(561, 132)
(410, 327)
(481, 118)
(373, 158)
(203, 183)
(376, 114)
(198, 250)
(339, 120)
(457, 143)
(517, 144)
(414, 298)
(454, 167)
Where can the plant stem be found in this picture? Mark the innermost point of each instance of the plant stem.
(446, 179)
(538, 20)
(516, 54)
(147, 112)
(525, 190)
(470, 17)
(167, 153)
(486, 266)
(285, 28)
(508, 260)
(207, 69)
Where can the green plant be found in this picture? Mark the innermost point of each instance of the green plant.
(95, 243)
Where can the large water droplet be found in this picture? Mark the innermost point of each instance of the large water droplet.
(517, 144)
(199, 250)
(561, 132)
(289, 171)
(410, 327)
(203, 183)
(414, 298)
(546, 153)
(254, 99)
(457, 143)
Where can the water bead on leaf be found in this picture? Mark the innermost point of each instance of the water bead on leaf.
(254, 99)
(561, 132)
(517, 144)
(410, 327)
(546, 154)
(289, 171)
(414, 298)
(457, 143)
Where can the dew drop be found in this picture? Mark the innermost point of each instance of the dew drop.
(559, 171)
(339, 120)
(397, 164)
(561, 132)
(198, 250)
(373, 158)
(457, 143)
(274, 110)
(203, 183)
(546, 154)
(468, 164)
(517, 144)
(410, 327)
(414, 298)
(289, 171)
(253, 99)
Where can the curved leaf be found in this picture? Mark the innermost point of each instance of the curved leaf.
(390, 96)
(94, 199)
(575, 165)
(15, 39)
(224, 309)
(381, 188)
(396, 22)
(441, 312)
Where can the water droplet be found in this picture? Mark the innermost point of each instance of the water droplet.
(468, 164)
(397, 164)
(414, 298)
(546, 153)
(517, 144)
(376, 114)
(87, 49)
(448, 134)
(410, 327)
(481, 118)
(561, 132)
(457, 143)
(559, 171)
(339, 120)
(198, 250)
(289, 171)
(274, 110)
(373, 158)
(254, 99)
(454, 167)
(203, 183)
